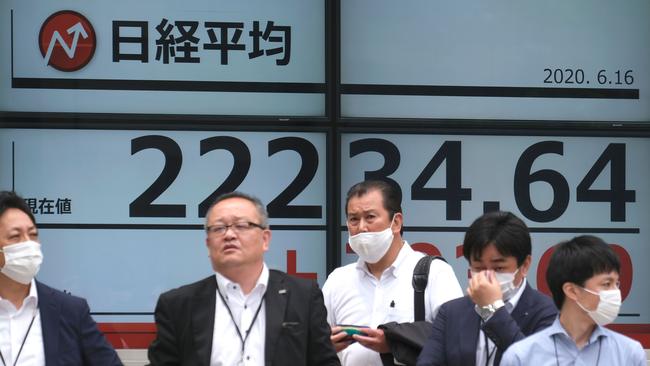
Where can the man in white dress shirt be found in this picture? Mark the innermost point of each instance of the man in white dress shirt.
(244, 314)
(38, 324)
(377, 288)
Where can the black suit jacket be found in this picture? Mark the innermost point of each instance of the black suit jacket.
(456, 328)
(297, 332)
(70, 335)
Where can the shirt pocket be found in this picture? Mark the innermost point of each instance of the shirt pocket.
(399, 314)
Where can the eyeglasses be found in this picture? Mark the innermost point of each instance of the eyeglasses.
(237, 227)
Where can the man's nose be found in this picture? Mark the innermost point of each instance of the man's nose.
(363, 226)
(230, 232)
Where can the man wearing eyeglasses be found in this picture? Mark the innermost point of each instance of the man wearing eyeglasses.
(245, 314)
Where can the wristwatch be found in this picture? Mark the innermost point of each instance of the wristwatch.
(488, 310)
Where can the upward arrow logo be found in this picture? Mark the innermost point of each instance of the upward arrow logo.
(76, 30)
(67, 41)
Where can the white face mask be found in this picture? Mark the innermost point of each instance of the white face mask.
(372, 246)
(22, 261)
(506, 282)
(608, 306)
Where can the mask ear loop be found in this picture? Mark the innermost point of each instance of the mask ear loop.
(589, 291)
(392, 221)
(514, 274)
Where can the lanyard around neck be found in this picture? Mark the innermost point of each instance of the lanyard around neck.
(23, 343)
(248, 331)
(488, 353)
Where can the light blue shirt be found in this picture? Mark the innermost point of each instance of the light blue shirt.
(605, 348)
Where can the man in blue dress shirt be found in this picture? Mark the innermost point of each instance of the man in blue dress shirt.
(583, 276)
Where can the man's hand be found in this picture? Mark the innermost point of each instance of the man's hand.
(375, 340)
(340, 339)
(484, 288)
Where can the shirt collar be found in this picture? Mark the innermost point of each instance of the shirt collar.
(395, 267)
(262, 280)
(597, 333)
(31, 300)
(557, 328)
(32, 291)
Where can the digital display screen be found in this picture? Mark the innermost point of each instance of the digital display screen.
(185, 58)
(496, 60)
(561, 187)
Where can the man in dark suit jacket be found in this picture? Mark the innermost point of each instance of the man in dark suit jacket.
(68, 335)
(456, 328)
(500, 308)
(295, 331)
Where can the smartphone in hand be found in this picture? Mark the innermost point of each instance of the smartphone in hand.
(352, 330)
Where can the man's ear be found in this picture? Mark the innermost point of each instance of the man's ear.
(266, 239)
(525, 266)
(398, 220)
(570, 290)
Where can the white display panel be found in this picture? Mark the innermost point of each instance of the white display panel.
(194, 57)
(120, 211)
(505, 60)
(560, 186)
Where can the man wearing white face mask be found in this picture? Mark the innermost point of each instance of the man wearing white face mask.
(377, 288)
(500, 307)
(38, 324)
(583, 276)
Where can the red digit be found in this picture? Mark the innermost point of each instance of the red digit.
(293, 270)
(426, 248)
(542, 266)
(627, 272)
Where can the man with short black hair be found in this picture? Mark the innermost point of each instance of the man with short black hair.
(38, 324)
(377, 288)
(583, 276)
(500, 307)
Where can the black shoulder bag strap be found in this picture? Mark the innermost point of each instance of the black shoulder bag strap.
(420, 279)
(405, 339)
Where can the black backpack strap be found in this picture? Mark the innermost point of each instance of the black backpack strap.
(420, 279)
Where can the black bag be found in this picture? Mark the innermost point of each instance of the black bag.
(406, 339)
